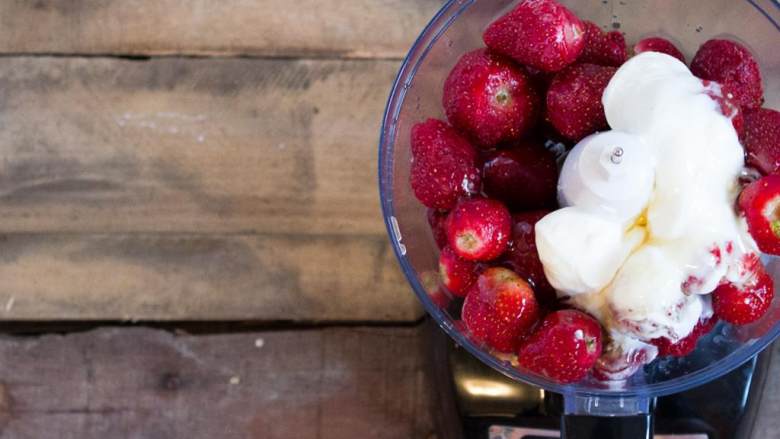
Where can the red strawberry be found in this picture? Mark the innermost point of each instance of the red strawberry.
(603, 48)
(433, 137)
(440, 298)
(732, 65)
(437, 220)
(499, 309)
(725, 99)
(438, 295)
(685, 346)
(618, 363)
(524, 177)
(574, 100)
(487, 96)
(444, 165)
(762, 140)
(457, 275)
(741, 304)
(564, 347)
(656, 44)
(539, 33)
(760, 203)
(479, 229)
(523, 258)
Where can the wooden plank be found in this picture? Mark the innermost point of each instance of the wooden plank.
(767, 422)
(328, 383)
(341, 28)
(192, 277)
(191, 145)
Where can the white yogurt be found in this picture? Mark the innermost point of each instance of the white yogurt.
(644, 278)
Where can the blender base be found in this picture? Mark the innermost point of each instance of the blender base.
(473, 401)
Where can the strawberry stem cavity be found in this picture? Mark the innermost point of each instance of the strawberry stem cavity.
(775, 225)
(467, 241)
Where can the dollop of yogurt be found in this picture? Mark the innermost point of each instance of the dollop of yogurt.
(649, 228)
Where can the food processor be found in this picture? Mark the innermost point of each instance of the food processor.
(724, 363)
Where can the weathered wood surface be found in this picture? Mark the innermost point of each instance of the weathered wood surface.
(188, 145)
(136, 383)
(767, 425)
(190, 277)
(194, 189)
(342, 28)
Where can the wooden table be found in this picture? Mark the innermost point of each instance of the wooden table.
(202, 164)
(202, 161)
(195, 159)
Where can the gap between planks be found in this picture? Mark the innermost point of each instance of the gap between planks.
(292, 56)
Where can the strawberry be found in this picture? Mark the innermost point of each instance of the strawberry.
(603, 48)
(724, 97)
(762, 140)
(760, 203)
(524, 177)
(478, 229)
(457, 275)
(622, 360)
(523, 258)
(686, 345)
(564, 347)
(662, 45)
(499, 309)
(574, 105)
(444, 165)
(438, 295)
(744, 303)
(490, 98)
(440, 298)
(538, 33)
(437, 219)
(732, 65)
(433, 137)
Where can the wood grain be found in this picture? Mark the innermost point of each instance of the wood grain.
(189, 145)
(186, 277)
(194, 189)
(312, 28)
(329, 383)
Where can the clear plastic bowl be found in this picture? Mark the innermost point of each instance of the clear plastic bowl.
(416, 95)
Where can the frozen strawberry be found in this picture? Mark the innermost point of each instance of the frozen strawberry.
(603, 48)
(760, 203)
(728, 106)
(490, 98)
(478, 229)
(622, 360)
(762, 140)
(539, 33)
(523, 258)
(440, 298)
(437, 220)
(732, 65)
(444, 165)
(499, 309)
(574, 105)
(685, 346)
(524, 177)
(457, 275)
(432, 138)
(656, 44)
(430, 281)
(564, 347)
(745, 303)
